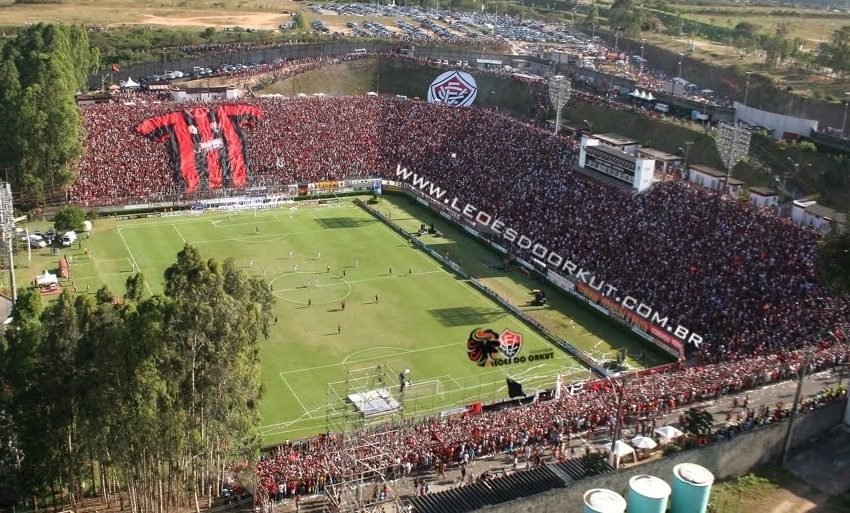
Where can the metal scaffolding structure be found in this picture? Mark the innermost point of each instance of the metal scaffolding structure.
(7, 236)
(364, 446)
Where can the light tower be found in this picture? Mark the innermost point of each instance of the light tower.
(733, 144)
(559, 93)
(7, 235)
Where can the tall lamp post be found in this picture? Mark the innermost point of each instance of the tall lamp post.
(559, 92)
(686, 152)
(681, 58)
(844, 121)
(642, 41)
(615, 432)
(747, 87)
(733, 143)
(104, 75)
(617, 39)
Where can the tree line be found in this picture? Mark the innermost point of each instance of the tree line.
(140, 400)
(41, 70)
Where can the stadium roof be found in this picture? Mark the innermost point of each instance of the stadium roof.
(616, 139)
(764, 191)
(500, 490)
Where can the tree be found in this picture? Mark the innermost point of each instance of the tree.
(833, 261)
(675, 25)
(745, 35)
(627, 16)
(135, 285)
(69, 218)
(591, 21)
(777, 46)
(698, 422)
(41, 70)
(836, 52)
(154, 393)
(744, 195)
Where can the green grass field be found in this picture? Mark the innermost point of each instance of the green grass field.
(421, 319)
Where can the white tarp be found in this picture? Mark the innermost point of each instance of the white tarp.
(644, 442)
(669, 432)
(46, 279)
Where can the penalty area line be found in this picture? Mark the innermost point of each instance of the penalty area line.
(295, 395)
(133, 259)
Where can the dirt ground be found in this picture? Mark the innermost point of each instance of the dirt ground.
(269, 21)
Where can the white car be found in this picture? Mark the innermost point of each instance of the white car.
(37, 242)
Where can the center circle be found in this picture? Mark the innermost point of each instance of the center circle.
(317, 287)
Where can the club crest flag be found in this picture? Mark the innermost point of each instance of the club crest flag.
(454, 88)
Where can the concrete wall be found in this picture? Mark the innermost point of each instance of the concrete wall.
(725, 459)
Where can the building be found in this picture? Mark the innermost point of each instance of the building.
(205, 93)
(620, 142)
(714, 179)
(764, 197)
(665, 163)
(635, 171)
(819, 217)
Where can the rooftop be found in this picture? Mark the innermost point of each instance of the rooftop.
(658, 154)
(615, 139)
(708, 170)
(763, 191)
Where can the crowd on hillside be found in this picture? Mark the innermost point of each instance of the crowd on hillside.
(543, 430)
(742, 279)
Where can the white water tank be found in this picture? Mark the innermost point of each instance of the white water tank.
(600, 500)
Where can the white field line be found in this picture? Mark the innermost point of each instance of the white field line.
(178, 232)
(294, 394)
(136, 264)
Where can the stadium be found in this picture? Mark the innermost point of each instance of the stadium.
(449, 283)
(669, 246)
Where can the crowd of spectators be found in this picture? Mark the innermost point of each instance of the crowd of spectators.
(740, 277)
(543, 430)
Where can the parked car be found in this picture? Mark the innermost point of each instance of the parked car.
(37, 242)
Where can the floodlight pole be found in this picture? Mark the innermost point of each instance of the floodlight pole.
(801, 377)
(615, 433)
(560, 91)
(729, 164)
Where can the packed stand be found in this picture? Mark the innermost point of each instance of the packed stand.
(543, 430)
(741, 278)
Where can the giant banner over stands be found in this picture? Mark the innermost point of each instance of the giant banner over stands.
(455, 88)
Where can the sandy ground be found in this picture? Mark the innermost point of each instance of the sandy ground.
(254, 20)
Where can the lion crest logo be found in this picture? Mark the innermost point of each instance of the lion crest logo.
(484, 344)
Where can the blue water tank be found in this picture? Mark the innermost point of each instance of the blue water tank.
(600, 500)
(691, 488)
(648, 494)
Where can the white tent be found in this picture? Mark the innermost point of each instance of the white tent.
(636, 92)
(129, 83)
(46, 279)
(622, 449)
(649, 96)
(669, 432)
(644, 442)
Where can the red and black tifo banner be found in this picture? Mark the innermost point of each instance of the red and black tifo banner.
(205, 144)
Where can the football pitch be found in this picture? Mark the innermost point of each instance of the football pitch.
(401, 308)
